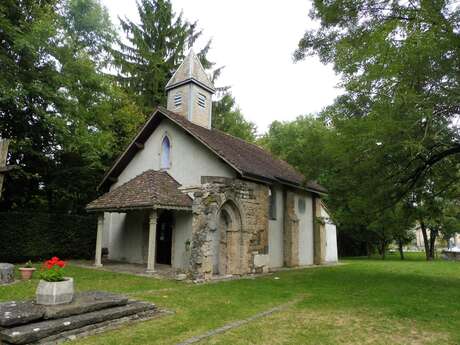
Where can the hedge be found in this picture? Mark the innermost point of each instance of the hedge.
(37, 236)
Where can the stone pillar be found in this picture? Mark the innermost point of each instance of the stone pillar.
(100, 230)
(6, 273)
(291, 231)
(3, 153)
(152, 241)
(319, 233)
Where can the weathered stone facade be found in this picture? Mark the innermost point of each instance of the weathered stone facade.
(291, 231)
(239, 211)
(319, 233)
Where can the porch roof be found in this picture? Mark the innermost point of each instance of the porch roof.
(151, 189)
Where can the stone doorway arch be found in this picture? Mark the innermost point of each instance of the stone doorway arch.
(227, 241)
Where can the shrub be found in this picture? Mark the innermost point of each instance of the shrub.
(36, 236)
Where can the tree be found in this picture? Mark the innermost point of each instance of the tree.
(302, 143)
(227, 117)
(56, 104)
(28, 90)
(396, 126)
(437, 213)
(153, 50)
(400, 60)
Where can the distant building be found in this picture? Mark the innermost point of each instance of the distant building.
(418, 242)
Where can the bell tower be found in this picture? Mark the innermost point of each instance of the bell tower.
(189, 92)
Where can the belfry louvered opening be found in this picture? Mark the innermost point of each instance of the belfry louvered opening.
(178, 99)
(201, 100)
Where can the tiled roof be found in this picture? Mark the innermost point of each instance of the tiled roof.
(249, 160)
(151, 189)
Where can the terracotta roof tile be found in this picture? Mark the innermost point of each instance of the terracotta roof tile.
(151, 189)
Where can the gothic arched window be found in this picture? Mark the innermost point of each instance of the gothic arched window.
(165, 153)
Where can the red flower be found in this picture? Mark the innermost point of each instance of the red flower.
(49, 264)
(54, 259)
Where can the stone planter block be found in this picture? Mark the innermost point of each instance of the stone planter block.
(6, 273)
(52, 293)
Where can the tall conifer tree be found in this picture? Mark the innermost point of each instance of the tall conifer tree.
(152, 50)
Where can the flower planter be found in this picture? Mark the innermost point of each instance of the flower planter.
(26, 272)
(52, 293)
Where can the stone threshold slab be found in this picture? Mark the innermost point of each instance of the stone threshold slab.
(18, 313)
(101, 327)
(38, 330)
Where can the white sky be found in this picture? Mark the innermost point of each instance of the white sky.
(255, 40)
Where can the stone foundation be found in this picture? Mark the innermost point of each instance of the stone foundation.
(238, 210)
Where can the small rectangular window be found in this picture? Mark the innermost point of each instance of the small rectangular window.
(301, 205)
(177, 99)
(272, 204)
(201, 100)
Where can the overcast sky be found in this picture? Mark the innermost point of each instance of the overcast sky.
(255, 40)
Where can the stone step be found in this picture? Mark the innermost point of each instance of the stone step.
(85, 302)
(35, 331)
(19, 313)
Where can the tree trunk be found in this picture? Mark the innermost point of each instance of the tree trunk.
(401, 251)
(433, 236)
(425, 241)
(369, 249)
(382, 249)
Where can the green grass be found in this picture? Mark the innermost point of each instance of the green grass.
(360, 302)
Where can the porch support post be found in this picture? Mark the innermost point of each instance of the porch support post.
(100, 230)
(152, 241)
(319, 234)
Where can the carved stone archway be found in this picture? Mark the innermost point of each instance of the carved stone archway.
(227, 241)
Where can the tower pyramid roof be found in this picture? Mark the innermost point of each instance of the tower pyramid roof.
(191, 70)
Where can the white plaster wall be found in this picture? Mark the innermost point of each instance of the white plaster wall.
(189, 161)
(305, 230)
(181, 233)
(106, 232)
(331, 243)
(331, 238)
(127, 236)
(275, 232)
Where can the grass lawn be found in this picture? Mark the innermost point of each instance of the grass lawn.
(360, 302)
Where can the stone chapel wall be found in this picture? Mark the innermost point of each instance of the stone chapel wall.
(251, 201)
